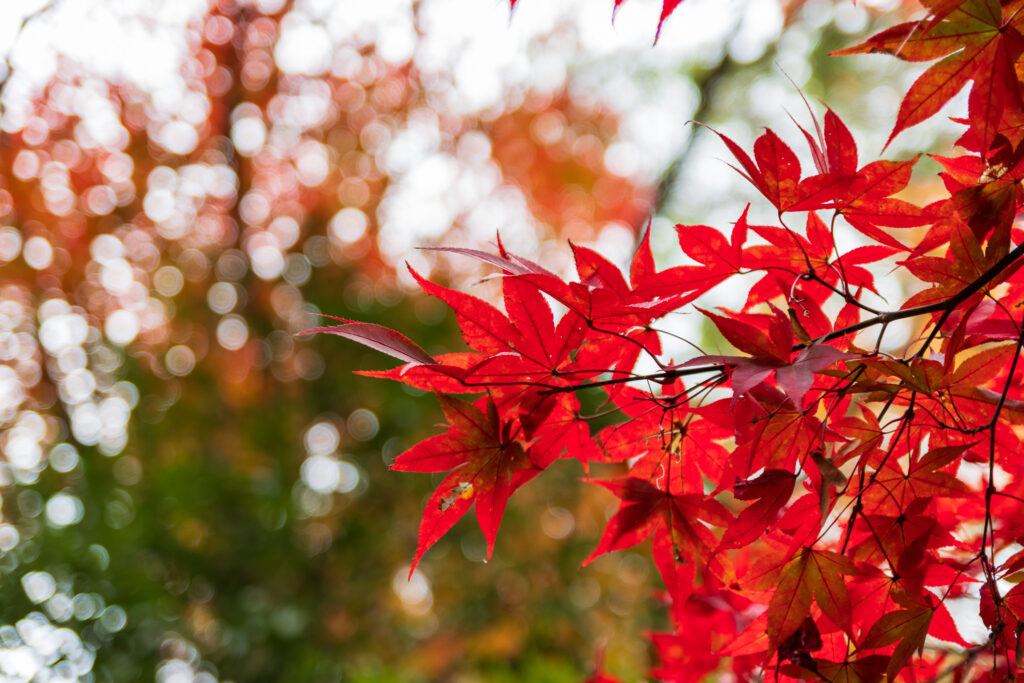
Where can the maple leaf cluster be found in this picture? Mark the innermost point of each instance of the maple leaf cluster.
(814, 503)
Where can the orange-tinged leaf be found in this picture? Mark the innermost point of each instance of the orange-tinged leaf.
(1014, 601)
(976, 40)
(896, 625)
(913, 41)
(811, 574)
(790, 603)
(982, 367)
(825, 574)
(909, 626)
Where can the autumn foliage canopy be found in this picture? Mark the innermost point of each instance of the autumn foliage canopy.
(816, 501)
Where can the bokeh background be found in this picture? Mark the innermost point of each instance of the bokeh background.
(191, 492)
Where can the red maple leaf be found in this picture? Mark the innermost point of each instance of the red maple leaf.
(827, 509)
(769, 341)
(679, 524)
(812, 573)
(978, 40)
(489, 465)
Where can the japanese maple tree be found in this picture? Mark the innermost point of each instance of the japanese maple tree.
(816, 500)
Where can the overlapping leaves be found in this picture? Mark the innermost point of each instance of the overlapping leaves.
(813, 494)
